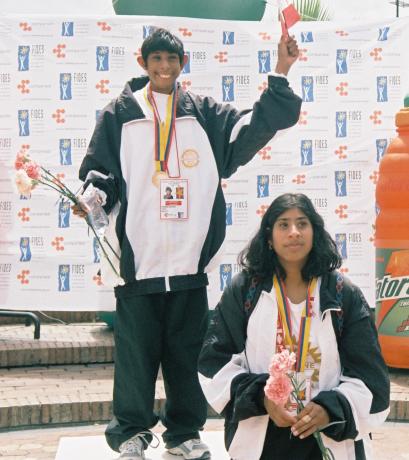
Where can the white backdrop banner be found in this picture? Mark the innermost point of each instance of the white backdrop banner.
(57, 73)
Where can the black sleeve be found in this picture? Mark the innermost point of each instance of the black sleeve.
(236, 136)
(361, 359)
(101, 165)
(223, 371)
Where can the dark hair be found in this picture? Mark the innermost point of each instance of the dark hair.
(260, 261)
(162, 40)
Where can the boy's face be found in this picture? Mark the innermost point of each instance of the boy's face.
(163, 69)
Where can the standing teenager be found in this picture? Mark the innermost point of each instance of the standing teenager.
(156, 136)
(290, 295)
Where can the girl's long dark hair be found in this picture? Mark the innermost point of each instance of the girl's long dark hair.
(260, 261)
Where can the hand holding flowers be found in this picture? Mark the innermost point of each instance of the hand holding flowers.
(29, 174)
(282, 384)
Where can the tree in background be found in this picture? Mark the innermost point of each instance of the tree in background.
(312, 10)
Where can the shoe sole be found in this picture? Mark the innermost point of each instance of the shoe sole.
(205, 456)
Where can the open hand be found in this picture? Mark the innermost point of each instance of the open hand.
(312, 418)
(288, 53)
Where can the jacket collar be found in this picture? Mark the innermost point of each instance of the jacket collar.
(129, 109)
(328, 300)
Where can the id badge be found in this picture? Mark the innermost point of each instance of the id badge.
(174, 199)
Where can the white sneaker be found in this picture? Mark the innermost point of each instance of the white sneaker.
(133, 448)
(192, 449)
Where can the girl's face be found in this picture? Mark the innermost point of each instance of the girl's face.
(292, 238)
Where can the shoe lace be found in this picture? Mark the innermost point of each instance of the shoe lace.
(133, 444)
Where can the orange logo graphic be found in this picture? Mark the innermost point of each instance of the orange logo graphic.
(104, 26)
(341, 211)
(58, 116)
(299, 179)
(23, 214)
(58, 243)
(340, 152)
(59, 50)
(185, 31)
(265, 153)
(101, 86)
(341, 88)
(375, 117)
(23, 276)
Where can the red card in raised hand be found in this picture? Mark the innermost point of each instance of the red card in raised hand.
(291, 15)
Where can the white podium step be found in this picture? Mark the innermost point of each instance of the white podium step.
(95, 448)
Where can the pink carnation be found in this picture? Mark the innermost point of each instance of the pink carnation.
(278, 389)
(23, 182)
(282, 362)
(32, 169)
(19, 163)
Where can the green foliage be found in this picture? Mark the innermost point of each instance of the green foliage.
(312, 10)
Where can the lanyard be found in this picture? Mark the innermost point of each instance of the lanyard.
(285, 324)
(164, 131)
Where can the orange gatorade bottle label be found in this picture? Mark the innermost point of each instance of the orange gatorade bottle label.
(392, 292)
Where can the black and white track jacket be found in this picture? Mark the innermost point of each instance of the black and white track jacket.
(353, 378)
(157, 255)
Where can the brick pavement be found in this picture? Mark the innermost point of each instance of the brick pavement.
(389, 441)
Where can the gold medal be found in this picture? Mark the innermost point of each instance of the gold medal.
(190, 158)
(157, 176)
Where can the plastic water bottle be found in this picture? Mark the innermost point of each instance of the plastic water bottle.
(96, 215)
(392, 246)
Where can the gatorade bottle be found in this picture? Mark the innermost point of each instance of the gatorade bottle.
(392, 246)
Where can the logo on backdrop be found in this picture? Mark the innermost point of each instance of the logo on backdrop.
(229, 214)
(64, 214)
(63, 278)
(307, 85)
(25, 249)
(341, 59)
(383, 33)
(341, 242)
(102, 58)
(186, 67)
(262, 186)
(341, 124)
(228, 88)
(264, 61)
(96, 250)
(225, 275)
(147, 30)
(380, 148)
(65, 86)
(382, 89)
(228, 38)
(67, 29)
(23, 123)
(306, 152)
(23, 58)
(65, 152)
(340, 183)
(307, 37)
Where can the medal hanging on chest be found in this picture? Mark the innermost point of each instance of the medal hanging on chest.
(164, 133)
(285, 332)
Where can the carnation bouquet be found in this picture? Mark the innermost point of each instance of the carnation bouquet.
(282, 384)
(29, 174)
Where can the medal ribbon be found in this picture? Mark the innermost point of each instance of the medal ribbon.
(284, 320)
(164, 131)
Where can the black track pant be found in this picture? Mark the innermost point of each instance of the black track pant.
(167, 329)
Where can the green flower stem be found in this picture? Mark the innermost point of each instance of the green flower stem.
(66, 192)
(326, 453)
(101, 246)
(111, 248)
